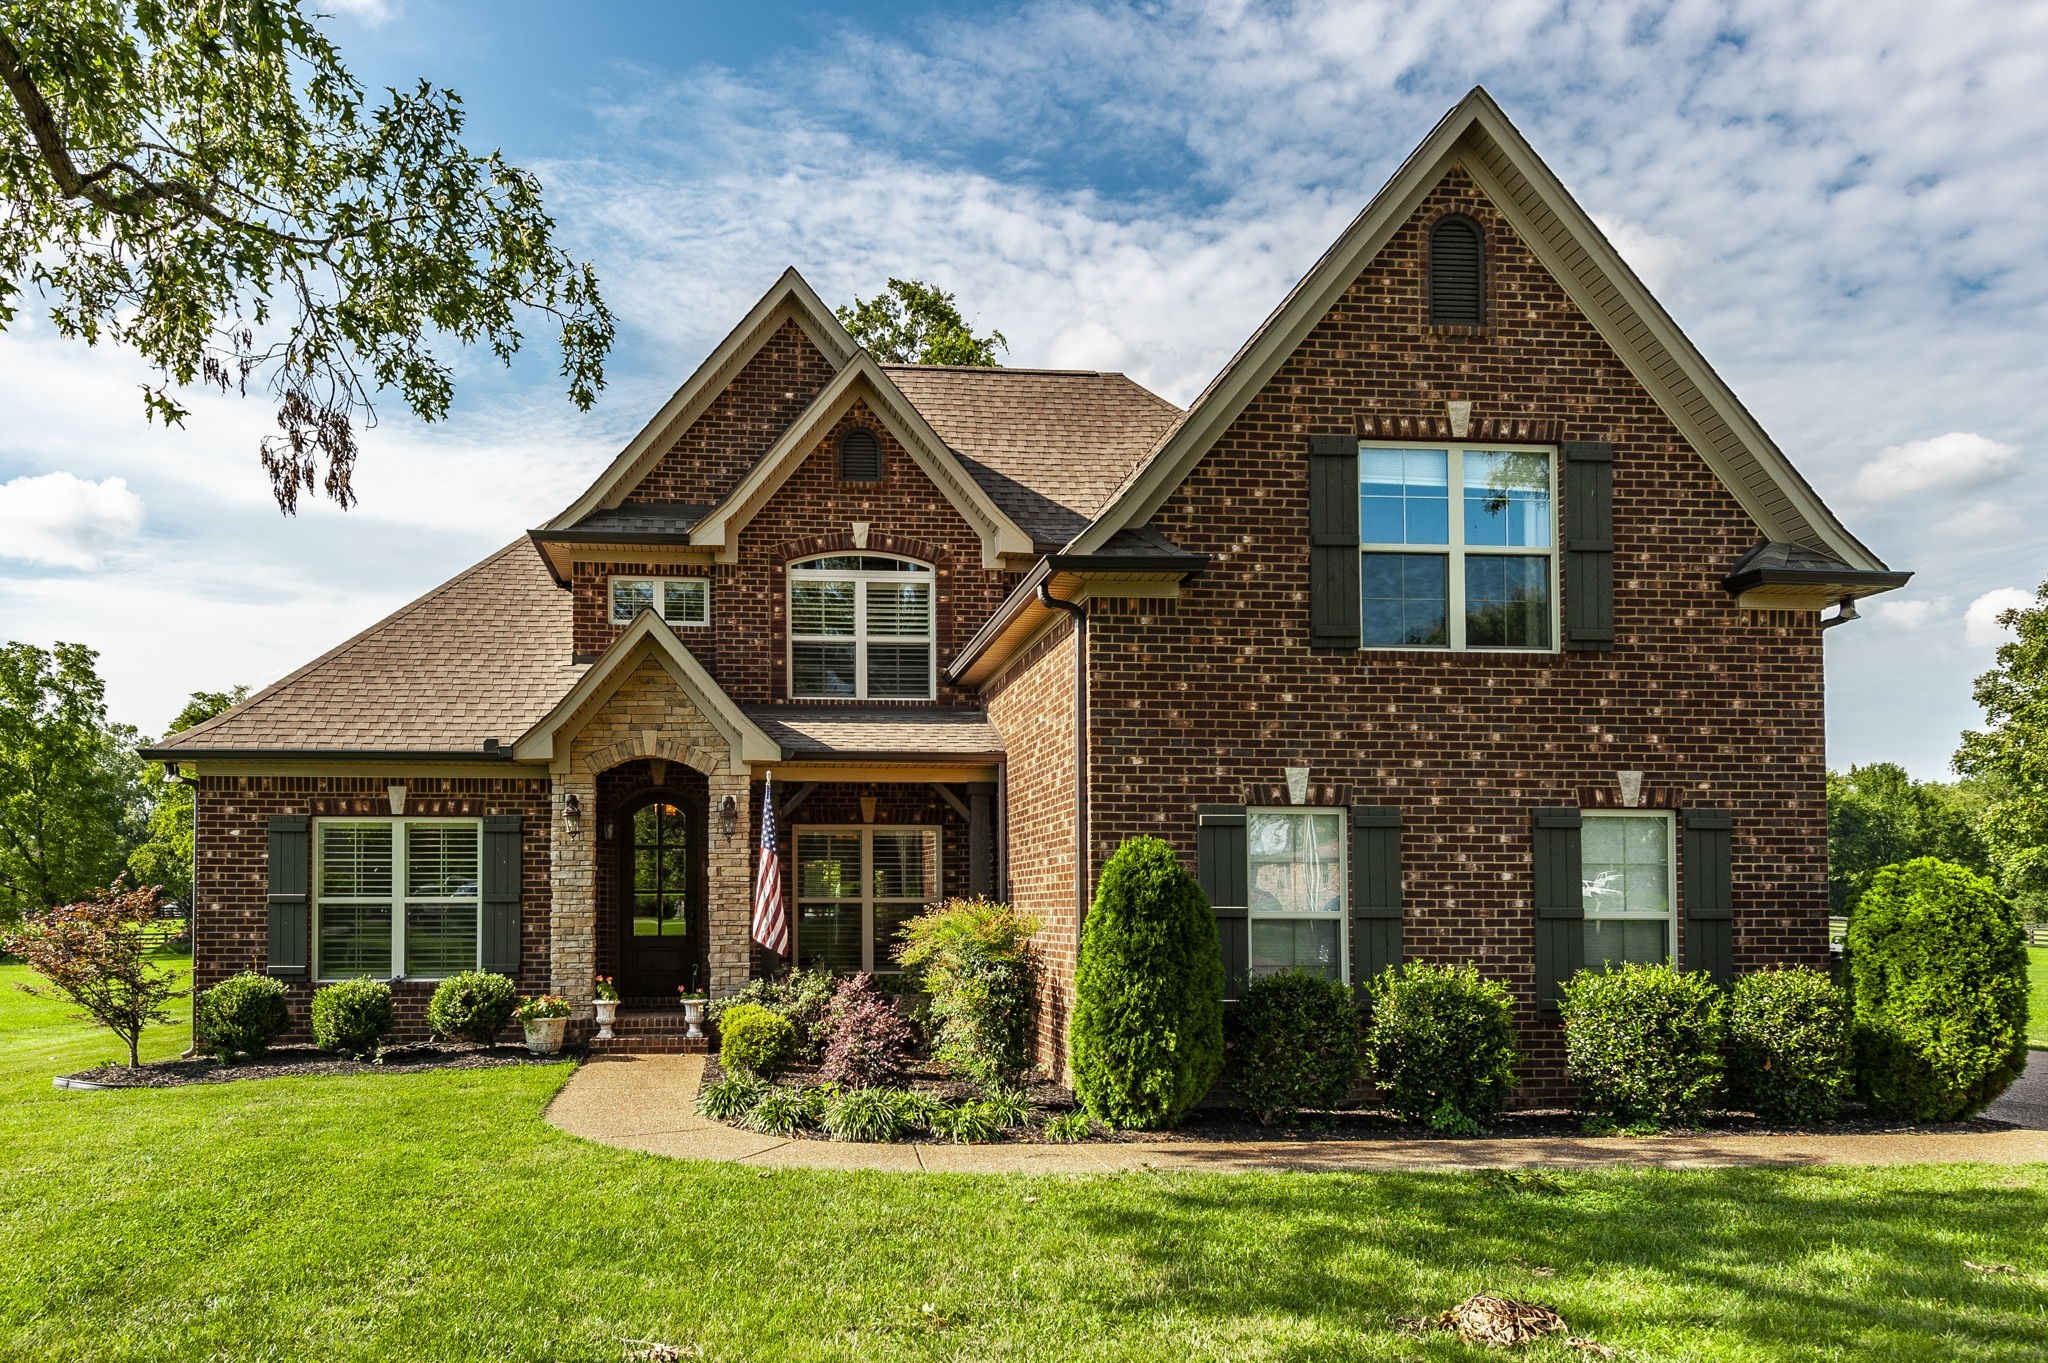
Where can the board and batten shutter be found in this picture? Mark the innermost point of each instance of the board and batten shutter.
(1709, 892)
(1375, 891)
(1223, 869)
(290, 897)
(1559, 896)
(500, 926)
(1333, 564)
(1588, 546)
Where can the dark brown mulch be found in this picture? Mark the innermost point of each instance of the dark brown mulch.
(281, 1061)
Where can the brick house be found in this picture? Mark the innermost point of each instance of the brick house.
(1466, 615)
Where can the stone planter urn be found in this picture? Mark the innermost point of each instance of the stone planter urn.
(607, 1014)
(693, 1018)
(544, 1035)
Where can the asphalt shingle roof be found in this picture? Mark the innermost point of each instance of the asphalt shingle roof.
(854, 729)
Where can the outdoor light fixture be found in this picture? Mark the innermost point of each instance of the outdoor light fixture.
(728, 815)
(572, 813)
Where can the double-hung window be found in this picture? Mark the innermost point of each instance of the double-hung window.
(681, 600)
(396, 897)
(1627, 890)
(855, 887)
(1297, 885)
(1459, 546)
(861, 627)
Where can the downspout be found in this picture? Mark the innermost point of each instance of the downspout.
(1080, 614)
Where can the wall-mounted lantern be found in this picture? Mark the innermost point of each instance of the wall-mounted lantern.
(572, 813)
(728, 816)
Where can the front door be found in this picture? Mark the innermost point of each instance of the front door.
(661, 928)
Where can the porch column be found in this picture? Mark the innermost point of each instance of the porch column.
(729, 869)
(981, 838)
(572, 914)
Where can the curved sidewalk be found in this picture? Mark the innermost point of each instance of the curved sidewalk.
(643, 1102)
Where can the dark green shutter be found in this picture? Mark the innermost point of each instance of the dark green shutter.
(1223, 867)
(291, 881)
(1558, 894)
(1589, 546)
(501, 893)
(1333, 567)
(1375, 891)
(1709, 893)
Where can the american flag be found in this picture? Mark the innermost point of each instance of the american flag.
(771, 921)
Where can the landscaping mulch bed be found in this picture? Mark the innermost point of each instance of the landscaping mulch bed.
(281, 1061)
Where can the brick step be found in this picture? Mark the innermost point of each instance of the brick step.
(650, 1022)
(656, 1044)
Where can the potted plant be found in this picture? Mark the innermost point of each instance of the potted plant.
(546, 1019)
(607, 1006)
(693, 1002)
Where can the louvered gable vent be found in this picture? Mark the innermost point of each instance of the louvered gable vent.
(860, 456)
(1457, 274)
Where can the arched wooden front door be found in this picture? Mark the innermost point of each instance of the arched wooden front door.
(662, 893)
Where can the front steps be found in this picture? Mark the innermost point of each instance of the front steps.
(649, 1031)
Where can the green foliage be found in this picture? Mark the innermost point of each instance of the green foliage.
(753, 1040)
(1879, 816)
(866, 1114)
(1440, 1045)
(914, 323)
(353, 1017)
(971, 1123)
(1295, 1043)
(871, 1044)
(540, 1008)
(1644, 1042)
(802, 996)
(731, 1098)
(70, 784)
(475, 1005)
(973, 957)
(207, 185)
(1788, 1044)
(1146, 1037)
(1007, 1106)
(2009, 757)
(1938, 978)
(780, 1111)
(96, 954)
(242, 1015)
(1069, 1127)
(165, 857)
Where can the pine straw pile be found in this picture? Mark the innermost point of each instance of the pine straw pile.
(1500, 1323)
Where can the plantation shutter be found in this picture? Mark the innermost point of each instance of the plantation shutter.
(1223, 868)
(1558, 895)
(1709, 893)
(500, 926)
(1375, 891)
(1588, 546)
(291, 899)
(1333, 564)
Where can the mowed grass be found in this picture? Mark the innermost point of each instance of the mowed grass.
(2037, 1011)
(437, 1216)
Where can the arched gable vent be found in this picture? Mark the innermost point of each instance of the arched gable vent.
(860, 456)
(1457, 274)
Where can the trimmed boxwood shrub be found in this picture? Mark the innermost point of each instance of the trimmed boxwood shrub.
(1296, 1044)
(1788, 1044)
(802, 996)
(353, 1017)
(242, 1015)
(1440, 1045)
(1938, 977)
(1146, 1038)
(1644, 1042)
(475, 1005)
(870, 1043)
(752, 1040)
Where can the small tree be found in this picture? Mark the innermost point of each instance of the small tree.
(915, 323)
(974, 957)
(94, 953)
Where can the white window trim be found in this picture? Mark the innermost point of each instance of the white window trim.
(660, 586)
(1457, 549)
(797, 572)
(1670, 915)
(867, 898)
(1343, 911)
(398, 900)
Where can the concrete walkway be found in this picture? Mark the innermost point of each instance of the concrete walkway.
(643, 1102)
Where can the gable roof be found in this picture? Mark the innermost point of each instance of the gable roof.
(1479, 137)
(480, 657)
(1049, 445)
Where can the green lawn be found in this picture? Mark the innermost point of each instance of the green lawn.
(389, 1217)
(2037, 1011)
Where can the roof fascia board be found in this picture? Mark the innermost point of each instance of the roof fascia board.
(646, 637)
(861, 376)
(790, 298)
(561, 555)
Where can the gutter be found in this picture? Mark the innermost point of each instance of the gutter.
(502, 753)
(1031, 590)
(1080, 615)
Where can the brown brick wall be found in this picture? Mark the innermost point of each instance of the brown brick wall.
(231, 923)
(1207, 698)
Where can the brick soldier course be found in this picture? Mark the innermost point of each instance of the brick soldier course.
(1141, 627)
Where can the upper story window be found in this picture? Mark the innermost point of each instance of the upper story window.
(396, 897)
(1459, 547)
(1457, 273)
(861, 627)
(860, 456)
(681, 600)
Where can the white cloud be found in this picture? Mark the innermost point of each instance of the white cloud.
(1954, 462)
(1654, 256)
(1913, 613)
(1983, 521)
(64, 520)
(1980, 620)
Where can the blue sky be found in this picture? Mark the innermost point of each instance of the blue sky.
(1842, 203)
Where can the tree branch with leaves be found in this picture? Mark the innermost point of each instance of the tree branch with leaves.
(96, 954)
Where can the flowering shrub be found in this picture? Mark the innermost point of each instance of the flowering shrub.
(96, 954)
(974, 957)
(353, 1017)
(607, 989)
(870, 1042)
(539, 1008)
(753, 1040)
(242, 1015)
(474, 1005)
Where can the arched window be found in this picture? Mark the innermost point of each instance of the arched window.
(860, 456)
(861, 627)
(1457, 274)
